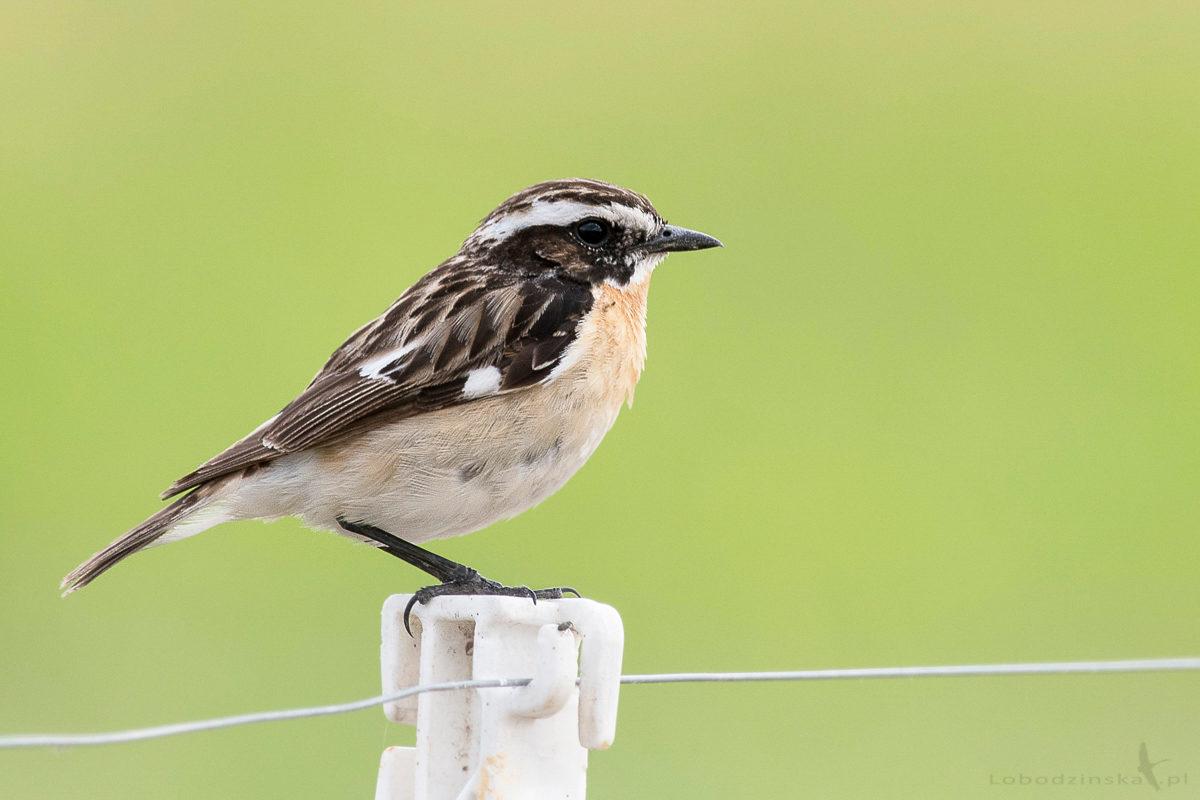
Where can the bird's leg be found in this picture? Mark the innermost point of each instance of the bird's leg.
(455, 578)
(442, 568)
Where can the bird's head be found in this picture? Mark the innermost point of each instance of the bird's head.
(589, 231)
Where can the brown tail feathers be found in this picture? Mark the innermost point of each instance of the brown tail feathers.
(139, 538)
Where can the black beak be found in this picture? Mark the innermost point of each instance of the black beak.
(671, 239)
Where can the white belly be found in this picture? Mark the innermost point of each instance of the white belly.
(441, 474)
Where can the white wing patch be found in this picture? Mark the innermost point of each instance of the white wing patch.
(371, 369)
(482, 382)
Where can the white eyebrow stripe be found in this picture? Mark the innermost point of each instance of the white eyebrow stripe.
(482, 381)
(561, 212)
(370, 369)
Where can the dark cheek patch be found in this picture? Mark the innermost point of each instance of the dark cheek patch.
(610, 267)
(551, 249)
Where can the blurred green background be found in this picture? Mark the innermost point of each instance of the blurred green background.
(935, 402)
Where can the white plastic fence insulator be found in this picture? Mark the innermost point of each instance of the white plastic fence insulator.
(517, 743)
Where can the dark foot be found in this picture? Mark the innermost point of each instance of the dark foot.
(474, 583)
(455, 578)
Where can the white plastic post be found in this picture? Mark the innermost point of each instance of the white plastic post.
(516, 743)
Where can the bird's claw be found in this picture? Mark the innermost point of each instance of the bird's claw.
(477, 584)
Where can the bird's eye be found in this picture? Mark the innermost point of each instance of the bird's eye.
(593, 231)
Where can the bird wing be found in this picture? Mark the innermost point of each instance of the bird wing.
(435, 347)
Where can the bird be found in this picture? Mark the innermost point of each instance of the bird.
(1146, 766)
(475, 396)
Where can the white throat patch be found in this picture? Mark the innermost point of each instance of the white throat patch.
(645, 267)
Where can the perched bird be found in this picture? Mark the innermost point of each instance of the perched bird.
(474, 397)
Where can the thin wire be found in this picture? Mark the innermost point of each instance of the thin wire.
(174, 729)
(954, 670)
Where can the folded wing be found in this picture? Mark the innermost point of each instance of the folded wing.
(454, 337)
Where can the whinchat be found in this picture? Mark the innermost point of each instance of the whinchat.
(474, 397)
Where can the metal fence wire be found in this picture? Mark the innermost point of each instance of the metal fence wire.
(944, 671)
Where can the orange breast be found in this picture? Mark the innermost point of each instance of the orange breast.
(619, 318)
